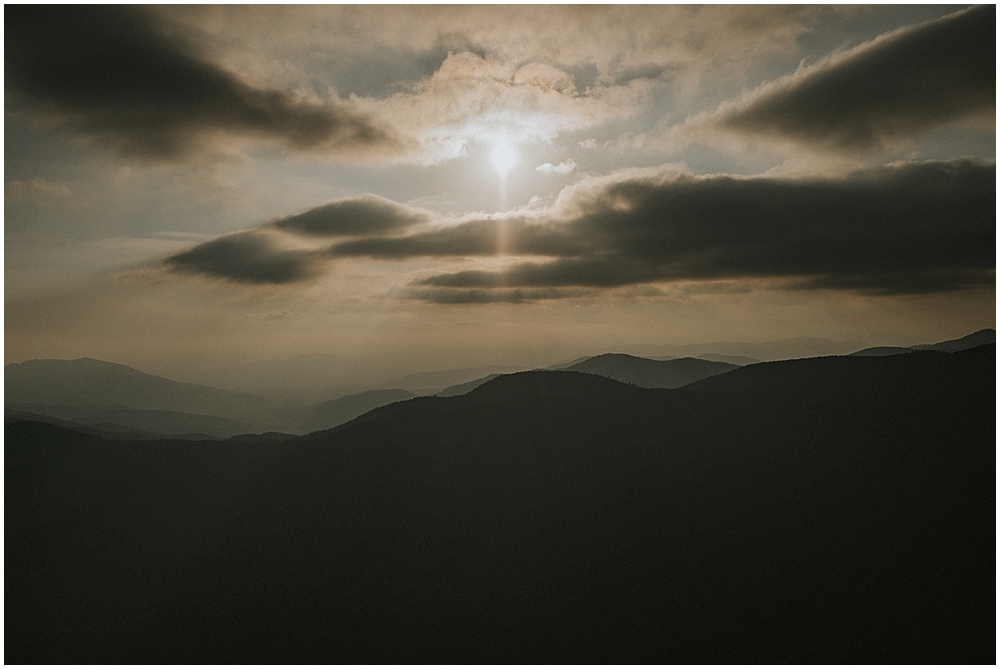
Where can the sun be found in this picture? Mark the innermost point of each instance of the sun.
(503, 156)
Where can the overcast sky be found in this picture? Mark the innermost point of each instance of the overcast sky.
(421, 187)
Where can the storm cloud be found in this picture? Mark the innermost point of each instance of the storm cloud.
(115, 74)
(873, 96)
(246, 257)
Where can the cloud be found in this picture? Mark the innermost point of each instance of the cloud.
(364, 215)
(511, 295)
(899, 229)
(258, 256)
(565, 167)
(117, 75)
(903, 228)
(879, 94)
(34, 188)
(475, 237)
(476, 99)
(246, 257)
(653, 39)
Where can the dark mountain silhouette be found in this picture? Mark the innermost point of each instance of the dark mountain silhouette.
(463, 388)
(570, 363)
(978, 338)
(740, 360)
(651, 373)
(625, 368)
(148, 422)
(106, 430)
(778, 349)
(269, 437)
(432, 382)
(338, 411)
(829, 510)
(876, 351)
(97, 383)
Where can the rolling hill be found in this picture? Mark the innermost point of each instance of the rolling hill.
(97, 383)
(153, 423)
(978, 338)
(829, 510)
(463, 388)
(338, 411)
(647, 373)
(105, 429)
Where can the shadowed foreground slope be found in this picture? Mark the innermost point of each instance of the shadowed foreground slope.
(831, 510)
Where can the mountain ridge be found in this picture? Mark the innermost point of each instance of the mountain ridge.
(977, 338)
(826, 510)
(87, 381)
(648, 373)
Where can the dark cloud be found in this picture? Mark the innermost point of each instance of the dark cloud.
(883, 91)
(514, 236)
(904, 228)
(364, 215)
(898, 229)
(114, 73)
(246, 257)
(594, 272)
(513, 295)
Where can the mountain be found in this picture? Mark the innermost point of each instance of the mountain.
(740, 360)
(105, 429)
(876, 351)
(978, 338)
(432, 382)
(650, 373)
(570, 363)
(151, 423)
(779, 349)
(97, 383)
(463, 388)
(834, 510)
(333, 413)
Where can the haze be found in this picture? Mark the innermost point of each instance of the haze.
(374, 191)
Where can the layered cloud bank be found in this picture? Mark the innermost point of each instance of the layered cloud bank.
(879, 94)
(909, 227)
(310, 175)
(113, 73)
(173, 83)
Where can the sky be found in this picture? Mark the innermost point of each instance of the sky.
(377, 190)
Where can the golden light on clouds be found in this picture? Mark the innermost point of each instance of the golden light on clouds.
(446, 162)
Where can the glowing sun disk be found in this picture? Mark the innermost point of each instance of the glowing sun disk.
(504, 157)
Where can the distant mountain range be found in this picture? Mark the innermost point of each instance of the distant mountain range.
(462, 388)
(343, 409)
(96, 426)
(643, 372)
(816, 511)
(979, 338)
(97, 383)
(126, 422)
(779, 349)
(112, 399)
(428, 383)
(651, 373)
